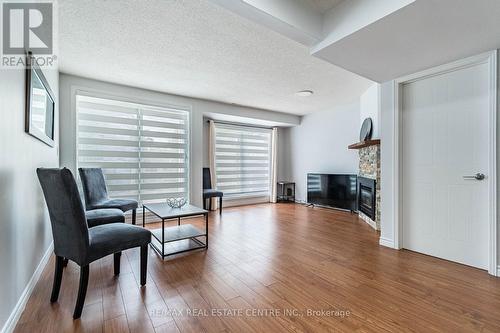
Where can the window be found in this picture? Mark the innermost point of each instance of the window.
(143, 150)
(242, 160)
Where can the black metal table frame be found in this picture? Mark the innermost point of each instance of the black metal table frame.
(162, 241)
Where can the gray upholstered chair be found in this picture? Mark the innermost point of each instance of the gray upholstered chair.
(104, 216)
(209, 192)
(96, 193)
(75, 241)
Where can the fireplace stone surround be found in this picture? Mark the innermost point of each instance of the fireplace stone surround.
(369, 167)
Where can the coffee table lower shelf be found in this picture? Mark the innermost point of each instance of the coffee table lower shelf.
(177, 239)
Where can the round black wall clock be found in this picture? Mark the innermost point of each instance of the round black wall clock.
(366, 130)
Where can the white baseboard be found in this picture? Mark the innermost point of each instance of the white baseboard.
(371, 224)
(498, 271)
(11, 322)
(233, 202)
(368, 220)
(386, 242)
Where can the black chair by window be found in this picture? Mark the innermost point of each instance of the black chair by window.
(96, 193)
(75, 241)
(209, 192)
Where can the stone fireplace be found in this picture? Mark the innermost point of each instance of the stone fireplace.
(369, 169)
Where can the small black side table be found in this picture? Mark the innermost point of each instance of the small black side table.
(286, 192)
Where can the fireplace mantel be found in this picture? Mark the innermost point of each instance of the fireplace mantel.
(363, 144)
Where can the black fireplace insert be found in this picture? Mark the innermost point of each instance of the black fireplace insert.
(366, 196)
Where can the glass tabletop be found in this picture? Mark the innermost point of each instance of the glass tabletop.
(164, 211)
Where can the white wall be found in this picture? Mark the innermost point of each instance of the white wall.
(370, 108)
(319, 144)
(284, 154)
(387, 109)
(70, 84)
(25, 232)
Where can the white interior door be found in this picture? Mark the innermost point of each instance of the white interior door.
(445, 140)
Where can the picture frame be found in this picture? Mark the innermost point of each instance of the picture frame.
(40, 104)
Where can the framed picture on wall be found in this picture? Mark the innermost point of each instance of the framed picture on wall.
(40, 105)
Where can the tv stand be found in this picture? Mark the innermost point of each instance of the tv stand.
(330, 207)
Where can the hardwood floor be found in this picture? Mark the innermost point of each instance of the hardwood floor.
(273, 268)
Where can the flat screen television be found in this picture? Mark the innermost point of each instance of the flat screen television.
(332, 190)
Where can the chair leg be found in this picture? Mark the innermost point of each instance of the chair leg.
(220, 205)
(209, 203)
(117, 257)
(144, 263)
(134, 216)
(82, 291)
(56, 287)
(204, 203)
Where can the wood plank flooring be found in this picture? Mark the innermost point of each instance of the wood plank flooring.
(275, 268)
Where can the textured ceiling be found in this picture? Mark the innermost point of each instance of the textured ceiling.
(195, 48)
(322, 6)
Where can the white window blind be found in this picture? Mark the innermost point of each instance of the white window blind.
(242, 159)
(143, 150)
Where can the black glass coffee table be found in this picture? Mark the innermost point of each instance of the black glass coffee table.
(177, 239)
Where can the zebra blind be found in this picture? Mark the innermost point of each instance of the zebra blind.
(143, 150)
(242, 160)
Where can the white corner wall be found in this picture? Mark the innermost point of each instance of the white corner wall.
(370, 108)
(319, 144)
(25, 232)
(387, 109)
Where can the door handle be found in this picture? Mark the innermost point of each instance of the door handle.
(477, 176)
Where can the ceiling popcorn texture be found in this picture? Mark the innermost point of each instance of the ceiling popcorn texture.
(198, 49)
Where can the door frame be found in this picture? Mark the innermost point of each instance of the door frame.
(491, 59)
